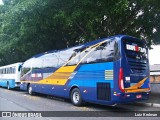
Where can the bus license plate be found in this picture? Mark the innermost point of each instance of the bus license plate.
(139, 96)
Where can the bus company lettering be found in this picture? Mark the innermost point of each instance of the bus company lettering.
(135, 48)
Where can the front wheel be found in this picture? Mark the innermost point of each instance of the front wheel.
(76, 97)
(8, 87)
(30, 91)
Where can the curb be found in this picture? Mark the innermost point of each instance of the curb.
(149, 104)
(156, 105)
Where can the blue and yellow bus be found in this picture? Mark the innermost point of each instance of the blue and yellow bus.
(107, 71)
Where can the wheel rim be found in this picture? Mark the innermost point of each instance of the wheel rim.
(30, 90)
(8, 87)
(76, 97)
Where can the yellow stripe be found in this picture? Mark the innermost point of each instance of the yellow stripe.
(137, 90)
(60, 76)
(49, 82)
(66, 69)
(138, 85)
(53, 81)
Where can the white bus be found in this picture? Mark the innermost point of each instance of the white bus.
(10, 75)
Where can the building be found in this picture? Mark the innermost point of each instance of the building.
(155, 73)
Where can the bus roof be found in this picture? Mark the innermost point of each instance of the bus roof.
(11, 65)
(85, 44)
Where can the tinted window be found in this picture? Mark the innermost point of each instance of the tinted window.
(106, 52)
(14, 70)
(103, 53)
(135, 49)
(25, 71)
(78, 54)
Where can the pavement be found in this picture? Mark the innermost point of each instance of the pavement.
(154, 99)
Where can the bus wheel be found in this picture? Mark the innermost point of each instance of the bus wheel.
(30, 90)
(8, 87)
(76, 97)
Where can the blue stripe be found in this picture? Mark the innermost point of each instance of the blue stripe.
(96, 66)
(88, 75)
(3, 82)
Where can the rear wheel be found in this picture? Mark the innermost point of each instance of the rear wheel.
(76, 97)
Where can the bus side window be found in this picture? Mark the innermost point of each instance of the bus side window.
(14, 70)
(102, 53)
(74, 58)
(10, 70)
(51, 60)
(116, 51)
(6, 70)
(25, 71)
(108, 52)
(91, 57)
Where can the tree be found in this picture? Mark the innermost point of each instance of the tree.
(28, 27)
(98, 19)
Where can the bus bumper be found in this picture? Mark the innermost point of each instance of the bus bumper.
(130, 97)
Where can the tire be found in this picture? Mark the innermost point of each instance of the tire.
(8, 87)
(30, 90)
(76, 97)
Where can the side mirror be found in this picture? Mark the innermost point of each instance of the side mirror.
(19, 68)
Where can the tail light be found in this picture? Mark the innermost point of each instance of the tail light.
(149, 85)
(120, 80)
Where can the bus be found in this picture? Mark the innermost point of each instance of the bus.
(10, 75)
(107, 71)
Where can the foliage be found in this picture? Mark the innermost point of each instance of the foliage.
(28, 27)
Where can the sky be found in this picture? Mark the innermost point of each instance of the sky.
(1, 2)
(154, 55)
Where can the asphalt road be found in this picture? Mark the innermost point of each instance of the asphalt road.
(16, 100)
